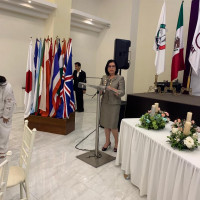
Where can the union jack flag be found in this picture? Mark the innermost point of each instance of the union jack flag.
(67, 95)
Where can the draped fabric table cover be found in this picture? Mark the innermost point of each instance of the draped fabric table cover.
(158, 170)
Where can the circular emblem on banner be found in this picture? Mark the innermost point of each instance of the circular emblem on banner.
(197, 40)
(161, 38)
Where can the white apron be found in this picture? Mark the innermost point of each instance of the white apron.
(7, 104)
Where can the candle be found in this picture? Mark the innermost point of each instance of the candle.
(187, 127)
(157, 105)
(153, 109)
(189, 116)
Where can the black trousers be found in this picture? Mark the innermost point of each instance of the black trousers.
(79, 100)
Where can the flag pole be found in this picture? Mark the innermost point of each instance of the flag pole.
(187, 89)
(171, 85)
(189, 79)
(153, 88)
(156, 80)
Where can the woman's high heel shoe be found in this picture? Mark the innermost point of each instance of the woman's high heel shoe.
(115, 149)
(105, 148)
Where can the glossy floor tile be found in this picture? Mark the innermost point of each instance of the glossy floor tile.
(56, 173)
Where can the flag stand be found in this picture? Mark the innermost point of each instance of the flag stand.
(170, 88)
(95, 157)
(187, 90)
(153, 88)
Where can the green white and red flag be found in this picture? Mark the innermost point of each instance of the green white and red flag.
(178, 53)
(160, 42)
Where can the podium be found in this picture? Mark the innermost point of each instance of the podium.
(95, 157)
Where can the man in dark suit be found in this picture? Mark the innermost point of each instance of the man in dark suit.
(79, 76)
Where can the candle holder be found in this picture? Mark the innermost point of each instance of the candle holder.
(154, 120)
(179, 139)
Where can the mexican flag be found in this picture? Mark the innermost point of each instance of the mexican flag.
(160, 42)
(177, 60)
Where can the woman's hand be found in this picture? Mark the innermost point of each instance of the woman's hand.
(5, 120)
(113, 89)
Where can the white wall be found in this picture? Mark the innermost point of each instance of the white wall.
(14, 40)
(119, 14)
(149, 13)
(84, 46)
(135, 20)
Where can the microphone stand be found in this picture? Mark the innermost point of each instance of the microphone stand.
(95, 157)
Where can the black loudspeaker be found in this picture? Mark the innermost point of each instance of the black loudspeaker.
(121, 53)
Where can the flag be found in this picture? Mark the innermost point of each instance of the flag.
(51, 78)
(191, 29)
(35, 59)
(160, 42)
(40, 80)
(194, 22)
(177, 60)
(194, 57)
(34, 71)
(55, 82)
(67, 106)
(51, 56)
(28, 98)
(35, 100)
(62, 59)
(44, 103)
(62, 70)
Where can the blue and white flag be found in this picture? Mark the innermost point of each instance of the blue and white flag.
(67, 106)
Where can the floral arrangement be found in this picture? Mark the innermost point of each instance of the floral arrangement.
(156, 121)
(164, 114)
(180, 140)
(178, 123)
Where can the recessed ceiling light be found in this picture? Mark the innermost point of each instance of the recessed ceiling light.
(29, 1)
(88, 22)
(26, 5)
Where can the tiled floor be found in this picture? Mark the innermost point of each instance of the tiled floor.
(56, 173)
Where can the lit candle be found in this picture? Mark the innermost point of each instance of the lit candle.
(153, 109)
(187, 127)
(189, 116)
(157, 105)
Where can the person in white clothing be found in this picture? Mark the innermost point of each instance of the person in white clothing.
(7, 104)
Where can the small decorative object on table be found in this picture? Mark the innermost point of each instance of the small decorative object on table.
(184, 134)
(154, 119)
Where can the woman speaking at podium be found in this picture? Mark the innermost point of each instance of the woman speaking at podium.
(111, 102)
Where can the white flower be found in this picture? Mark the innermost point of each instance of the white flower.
(174, 130)
(177, 139)
(195, 135)
(189, 142)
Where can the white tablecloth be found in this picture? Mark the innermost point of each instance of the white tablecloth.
(159, 171)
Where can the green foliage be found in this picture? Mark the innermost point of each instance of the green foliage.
(155, 122)
(179, 140)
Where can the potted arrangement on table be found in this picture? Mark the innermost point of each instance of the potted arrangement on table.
(184, 134)
(154, 119)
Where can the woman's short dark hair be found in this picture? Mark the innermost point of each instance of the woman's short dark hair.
(106, 67)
